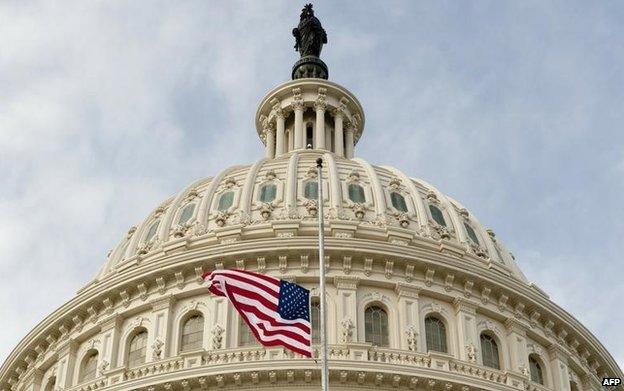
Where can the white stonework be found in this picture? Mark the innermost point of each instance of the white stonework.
(401, 260)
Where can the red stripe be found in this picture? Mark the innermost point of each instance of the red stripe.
(273, 280)
(254, 283)
(254, 296)
(244, 307)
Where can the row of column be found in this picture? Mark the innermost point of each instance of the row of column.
(276, 136)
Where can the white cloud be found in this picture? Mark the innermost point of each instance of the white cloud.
(108, 108)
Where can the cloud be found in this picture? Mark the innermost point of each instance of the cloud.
(108, 108)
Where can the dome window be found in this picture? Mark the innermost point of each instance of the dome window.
(137, 350)
(398, 201)
(89, 367)
(267, 192)
(186, 214)
(225, 201)
(356, 193)
(151, 232)
(437, 215)
(193, 333)
(310, 191)
(535, 368)
(376, 326)
(315, 319)
(435, 333)
(489, 351)
(471, 233)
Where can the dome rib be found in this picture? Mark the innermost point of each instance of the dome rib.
(248, 187)
(335, 198)
(204, 206)
(378, 196)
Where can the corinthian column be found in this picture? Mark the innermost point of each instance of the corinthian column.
(338, 136)
(349, 141)
(319, 107)
(270, 142)
(298, 108)
(280, 137)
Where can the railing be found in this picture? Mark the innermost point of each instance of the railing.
(355, 352)
(474, 370)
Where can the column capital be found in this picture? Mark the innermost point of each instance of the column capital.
(514, 326)
(346, 282)
(163, 303)
(407, 290)
(464, 305)
(557, 352)
(110, 322)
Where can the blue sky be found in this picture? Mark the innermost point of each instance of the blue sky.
(513, 108)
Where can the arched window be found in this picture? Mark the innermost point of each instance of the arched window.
(151, 232)
(88, 369)
(315, 318)
(356, 193)
(376, 326)
(536, 370)
(310, 190)
(225, 201)
(267, 192)
(489, 351)
(245, 336)
(437, 215)
(471, 233)
(435, 333)
(137, 350)
(186, 213)
(309, 136)
(192, 333)
(398, 201)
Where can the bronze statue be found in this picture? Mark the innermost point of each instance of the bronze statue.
(309, 35)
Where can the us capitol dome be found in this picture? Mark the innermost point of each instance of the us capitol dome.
(421, 295)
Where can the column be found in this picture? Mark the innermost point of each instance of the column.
(409, 323)
(349, 142)
(559, 368)
(338, 136)
(159, 339)
(32, 380)
(319, 107)
(280, 137)
(299, 136)
(110, 329)
(270, 142)
(66, 362)
(465, 311)
(219, 327)
(291, 138)
(346, 303)
(516, 340)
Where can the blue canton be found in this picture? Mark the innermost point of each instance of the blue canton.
(294, 301)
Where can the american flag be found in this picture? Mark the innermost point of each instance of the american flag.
(276, 311)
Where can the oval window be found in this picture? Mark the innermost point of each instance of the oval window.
(398, 201)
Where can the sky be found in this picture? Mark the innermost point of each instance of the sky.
(513, 108)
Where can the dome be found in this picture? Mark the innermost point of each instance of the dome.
(420, 294)
(270, 199)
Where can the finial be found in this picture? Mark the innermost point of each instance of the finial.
(309, 39)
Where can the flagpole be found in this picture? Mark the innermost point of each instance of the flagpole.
(321, 238)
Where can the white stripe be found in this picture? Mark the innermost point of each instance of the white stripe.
(280, 337)
(249, 287)
(269, 312)
(270, 327)
(274, 286)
